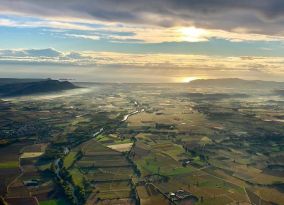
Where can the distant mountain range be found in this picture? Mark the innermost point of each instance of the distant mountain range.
(236, 83)
(279, 92)
(19, 87)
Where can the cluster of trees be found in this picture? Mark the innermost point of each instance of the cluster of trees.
(76, 191)
(68, 191)
(197, 151)
(134, 166)
(52, 152)
(76, 195)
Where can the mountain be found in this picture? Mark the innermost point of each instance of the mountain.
(236, 83)
(279, 92)
(5, 81)
(20, 87)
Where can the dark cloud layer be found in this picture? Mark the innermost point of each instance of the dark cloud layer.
(253, 16)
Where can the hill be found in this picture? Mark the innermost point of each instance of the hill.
(237, 83)
(279, 92)
(20, 87)
(5, 81)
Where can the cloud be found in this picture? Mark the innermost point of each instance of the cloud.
(48, 53)
(91, 37)
(74, 55)
(164, 66)
(259, 17)
(131, 33)
(48, 56)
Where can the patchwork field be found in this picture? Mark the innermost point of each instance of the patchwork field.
(143, 143)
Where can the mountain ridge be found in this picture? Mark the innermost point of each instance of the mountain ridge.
(20, 87)
(236, 83)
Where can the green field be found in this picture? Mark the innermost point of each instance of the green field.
(77, 177)
(45, 166)
(69, 159)
(158, 163)
(54, 202)
(108, 140)
(9, 165)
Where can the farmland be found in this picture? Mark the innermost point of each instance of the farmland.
(143, 144)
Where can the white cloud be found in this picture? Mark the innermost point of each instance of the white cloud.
(91, 37)
(172, 66)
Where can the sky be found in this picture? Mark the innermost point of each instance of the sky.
(142, 41)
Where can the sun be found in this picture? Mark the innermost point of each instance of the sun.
(192, 34)
(188, 79)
